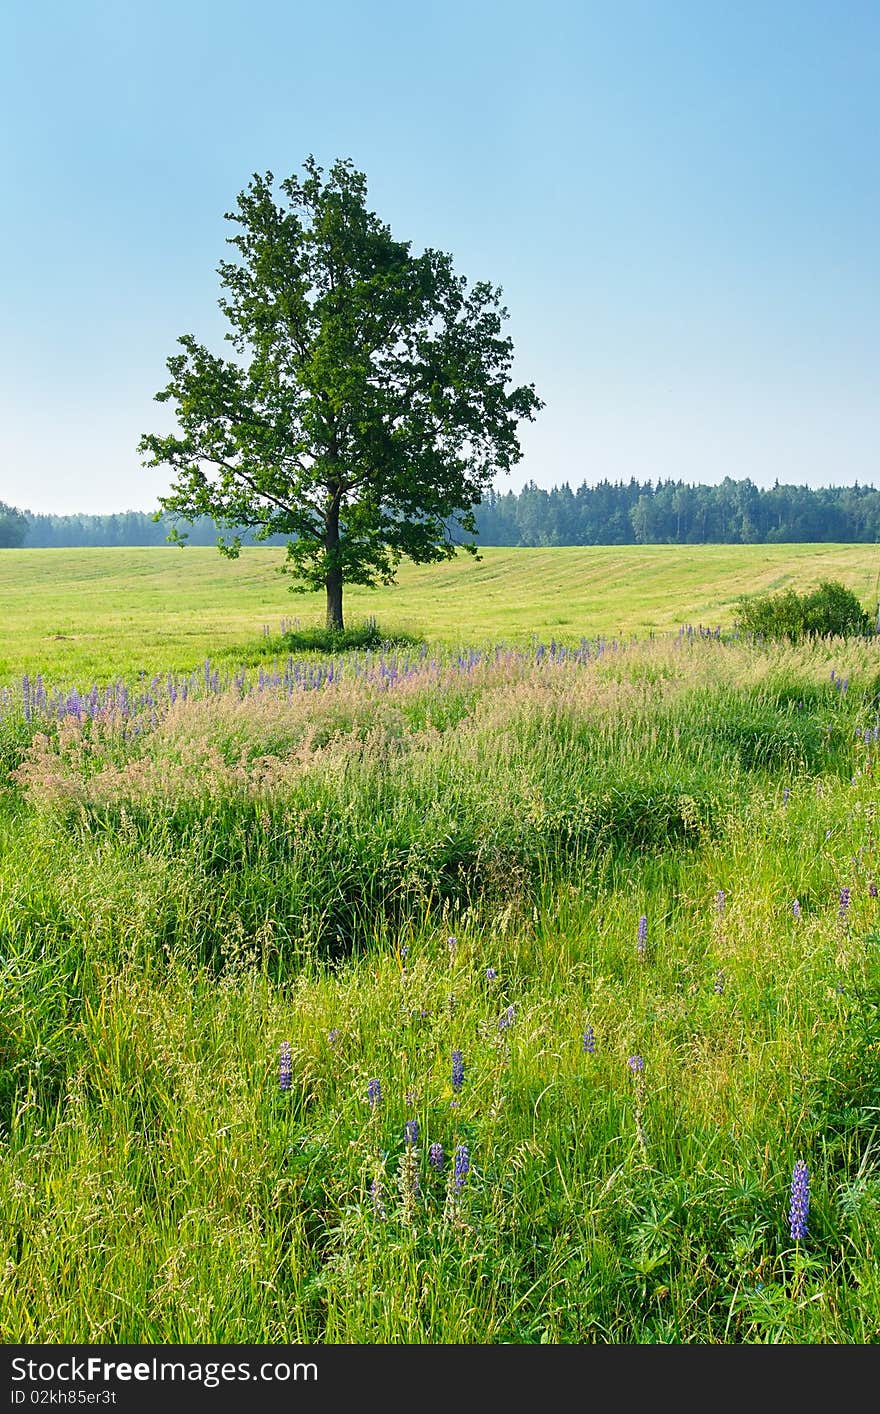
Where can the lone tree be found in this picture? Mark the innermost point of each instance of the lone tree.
(368, 408)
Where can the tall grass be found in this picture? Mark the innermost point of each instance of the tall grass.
(382, 868)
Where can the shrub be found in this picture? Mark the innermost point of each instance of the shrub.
(832, 610)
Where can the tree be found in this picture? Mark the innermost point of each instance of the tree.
(369, 406)
(13, 527)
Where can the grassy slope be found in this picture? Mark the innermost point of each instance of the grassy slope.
(168, 901)
(92, 614)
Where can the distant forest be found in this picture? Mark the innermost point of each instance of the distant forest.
(618, 513)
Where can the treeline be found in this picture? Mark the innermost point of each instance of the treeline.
(39, 532)
(610, 513)
(673, 513)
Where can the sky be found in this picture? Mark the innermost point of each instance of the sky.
(679, 198)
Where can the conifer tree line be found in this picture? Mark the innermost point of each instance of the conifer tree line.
(609, 513)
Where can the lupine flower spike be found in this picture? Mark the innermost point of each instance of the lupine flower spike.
(374, 1093)
(408, 1173)
(637, 1067)
(462, 1167)
(435, 1157)
(457, 1070)
(800, 1201)
(377, 1199)
(285, 1067)
(642, 936)
(589, 1040)
(461, 1164)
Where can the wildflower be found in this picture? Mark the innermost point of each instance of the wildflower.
(507, 1019)
(796, 908)
(786, 796)
(334, 1036)
(411, 1132)
(720, 901)
(374, 1093)
(457, 1070)
(452, 943)
(435, 1157)
(872, 889)
(491, 974)
(720, 980)
(800, 1201)
(285, 1067)
(462, 1167)
(637, 1066)
(589, 1040)
(376, 1198)
(642, 937)
(843, 906)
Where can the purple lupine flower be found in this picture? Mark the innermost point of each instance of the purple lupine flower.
(376, 1197)
(589, 1040)
(843, 906)
(872, 889)
(507, 1019)
(334, 1036)
(636, 1064)
(435, 1157)
(374, 1093)
(720, 980)
(800, 1201)
(642, 936)
(452, 944)
(411, 1132)
(285, 1067)
(462, 1166)
(457, 1070)
(796, 907)
(786, 796)
(720, 901)
(491, 974)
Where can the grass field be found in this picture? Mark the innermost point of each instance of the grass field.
(86, 615)
(439, 996)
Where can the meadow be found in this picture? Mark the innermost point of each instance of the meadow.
(515, 983)
(80, 615)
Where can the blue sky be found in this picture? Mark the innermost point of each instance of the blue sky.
(680, 200)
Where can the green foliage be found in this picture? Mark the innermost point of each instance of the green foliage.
(373, 407)
(831, 611)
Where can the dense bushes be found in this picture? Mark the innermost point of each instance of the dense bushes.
(832, 610)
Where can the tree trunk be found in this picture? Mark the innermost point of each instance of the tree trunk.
(334, 601)
(334, 570)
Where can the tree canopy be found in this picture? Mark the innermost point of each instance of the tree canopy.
(370, 404)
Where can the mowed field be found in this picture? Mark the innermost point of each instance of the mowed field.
(90, 614)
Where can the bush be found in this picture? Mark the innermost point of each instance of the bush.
(832, 610)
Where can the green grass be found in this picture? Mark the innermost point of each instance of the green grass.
(85, 615)
(183, 891)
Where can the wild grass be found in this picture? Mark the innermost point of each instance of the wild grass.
(424, 854)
